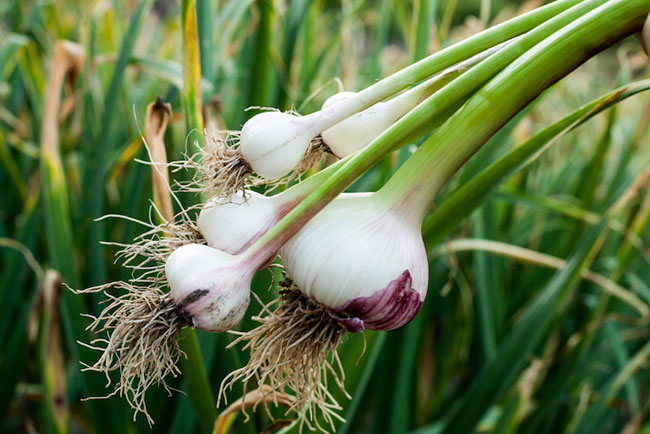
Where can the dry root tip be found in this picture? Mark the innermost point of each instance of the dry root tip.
(317, 149)
(142, 327)
(289, 353)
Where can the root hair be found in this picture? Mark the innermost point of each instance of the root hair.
(317, 149)
(218, 166)
(289, 352)
(220, 170)
(138, 329)
(142, 343)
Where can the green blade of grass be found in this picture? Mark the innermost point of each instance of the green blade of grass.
(423, 12)
(368, 369)
(593, 171)
(14, 265)
(11, 168)
(468, 197)
(193, 368)
(402, 408)
(196, 378)
(296, 19)
(33, 80)
(485, 290)
(191, 95)
(591, 421)
(16, 305)
(12, 44)
(204, 13)
(499, 374)
(622, 357)
(14, 357)
(168, 70)
(60, 240)
(229, 20)
(380, 37)
(260, 68)
(102, 145)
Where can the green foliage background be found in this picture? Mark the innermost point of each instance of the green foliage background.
(488, 344)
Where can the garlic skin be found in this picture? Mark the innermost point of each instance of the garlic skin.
(337, 98)
(272, 143)
(363, 260)
(357, 131)
(209, 287)
(234, 223)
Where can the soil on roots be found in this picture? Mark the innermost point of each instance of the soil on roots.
(293, 350)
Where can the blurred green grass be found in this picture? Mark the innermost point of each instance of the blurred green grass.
(582, 368)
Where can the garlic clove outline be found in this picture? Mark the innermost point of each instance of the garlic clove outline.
(234, 224)
(337, 98)
(210, 288)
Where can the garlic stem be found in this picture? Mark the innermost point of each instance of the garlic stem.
(273, 144)
(438, 62)
(357, 131)
(495, 104)
(419, 180)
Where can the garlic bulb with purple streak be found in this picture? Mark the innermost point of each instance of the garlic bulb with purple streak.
(365, 261)
(360, 263)
(210, 288)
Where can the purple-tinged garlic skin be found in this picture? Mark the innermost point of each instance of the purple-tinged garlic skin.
(361, 259)
(210, 288)
(388, 309)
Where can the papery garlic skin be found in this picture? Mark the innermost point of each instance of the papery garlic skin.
(272, 143)
(355, 248)
(210, 288)
(357, 131)
(232, 224)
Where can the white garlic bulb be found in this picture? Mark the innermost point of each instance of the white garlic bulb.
(363, 260)
(272, 143)
(209, 287)
(357, 131)
(234, 223)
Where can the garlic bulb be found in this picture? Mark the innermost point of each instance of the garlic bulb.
(357, 131)
(364, 261)
(209, 287)
(273, 143)
(234, 223)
